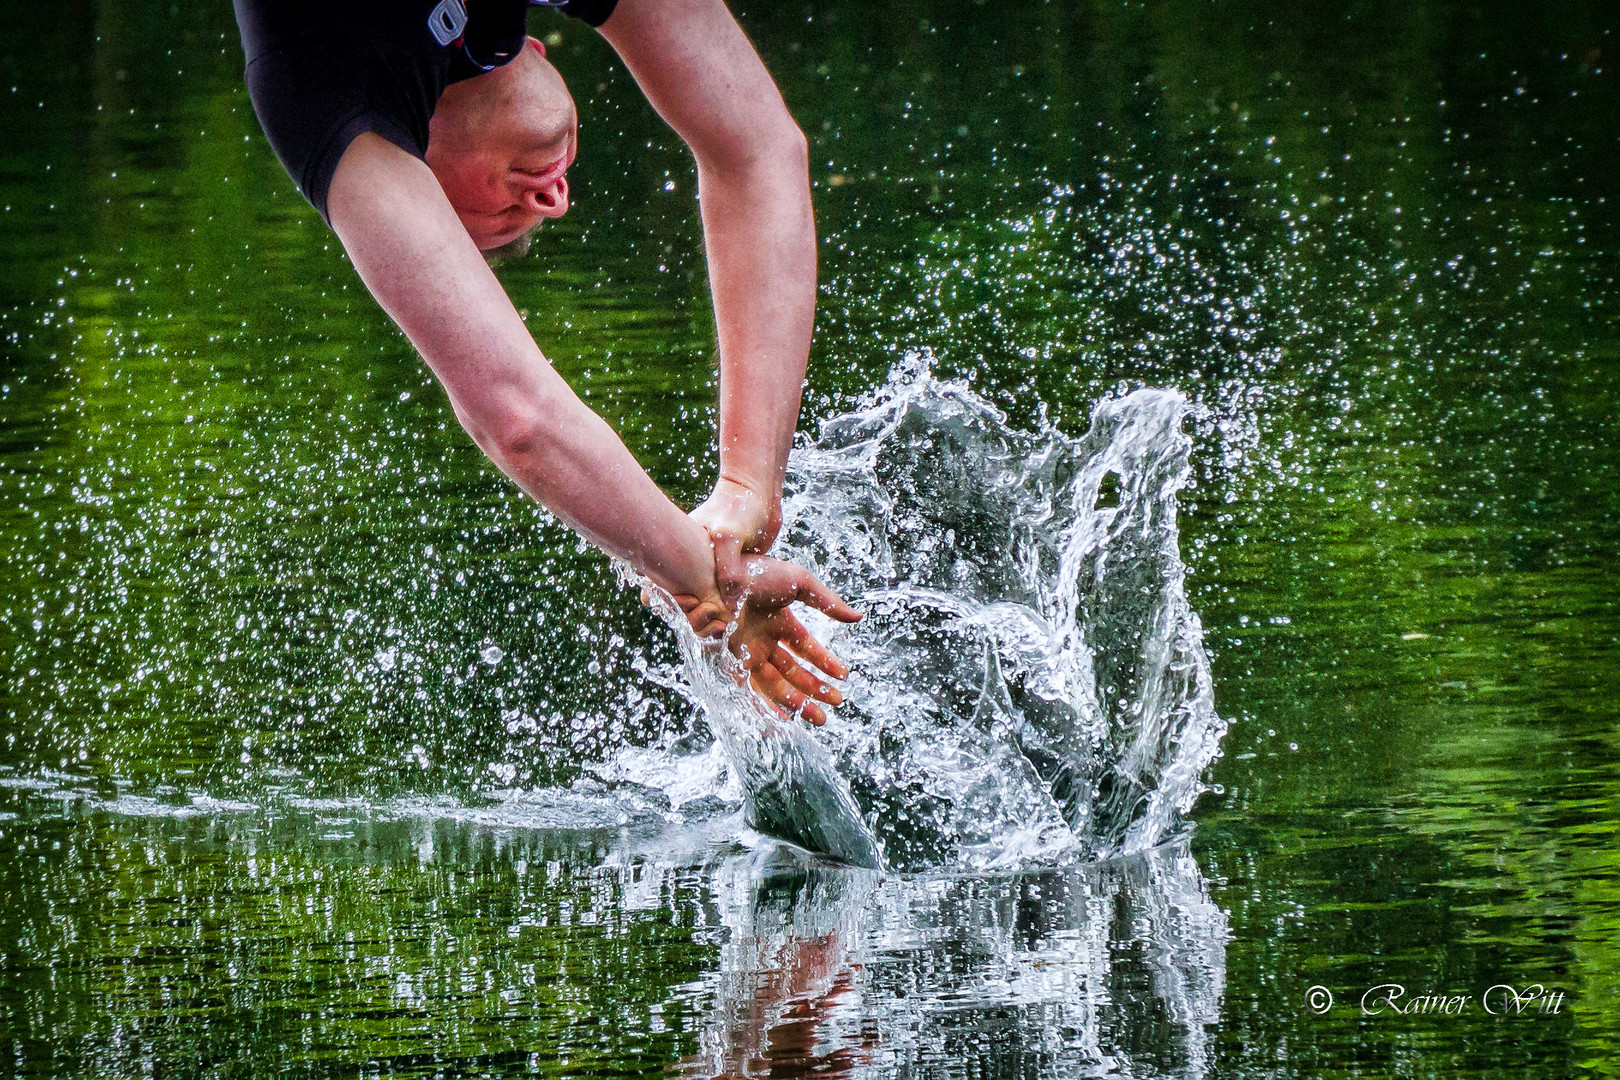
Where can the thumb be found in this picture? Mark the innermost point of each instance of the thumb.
(730, 572)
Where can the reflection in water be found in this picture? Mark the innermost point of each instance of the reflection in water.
(788, 991)
(1101, 969)
(403, 944)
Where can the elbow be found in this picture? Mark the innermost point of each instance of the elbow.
(515, 446)
(774, 147)
(514, 439)
(789, 150)
(792, 148)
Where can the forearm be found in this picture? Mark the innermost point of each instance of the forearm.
(417, 260)
(703, 76)
(761, 244)
(569, 460)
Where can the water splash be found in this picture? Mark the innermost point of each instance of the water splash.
(1030, 680)
(790, 786)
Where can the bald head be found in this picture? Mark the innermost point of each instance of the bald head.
(500, 144)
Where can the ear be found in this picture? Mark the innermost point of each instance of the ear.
(538, 45)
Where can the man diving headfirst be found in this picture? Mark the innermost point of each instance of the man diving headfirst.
(428, 132)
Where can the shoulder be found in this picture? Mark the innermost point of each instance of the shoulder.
(313, 92)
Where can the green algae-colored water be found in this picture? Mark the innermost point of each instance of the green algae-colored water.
(306, 712)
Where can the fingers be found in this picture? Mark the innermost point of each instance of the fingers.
(779, 692)
(686, 601)
(707, 619)
(803, 643)
(782, 679)
(806, 682)
(735, 519)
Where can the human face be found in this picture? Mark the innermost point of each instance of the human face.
(500, 194)
(506, 175)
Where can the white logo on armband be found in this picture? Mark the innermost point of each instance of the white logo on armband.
(447, 21)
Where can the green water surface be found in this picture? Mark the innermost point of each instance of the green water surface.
(251, 571)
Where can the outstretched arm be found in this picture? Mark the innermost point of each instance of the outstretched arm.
(699, 71)
(418, 261)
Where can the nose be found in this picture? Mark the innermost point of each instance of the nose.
(545, 199)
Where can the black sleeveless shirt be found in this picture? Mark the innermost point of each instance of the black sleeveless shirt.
(321, 72)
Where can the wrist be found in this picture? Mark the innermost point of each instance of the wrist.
(688, 566)
(763, 495)
(740, 482)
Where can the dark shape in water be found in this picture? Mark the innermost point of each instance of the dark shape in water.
(794, 793)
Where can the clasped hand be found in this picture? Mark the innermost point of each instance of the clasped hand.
(782, 657)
